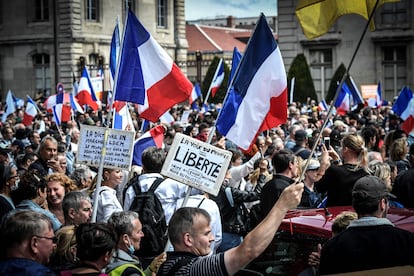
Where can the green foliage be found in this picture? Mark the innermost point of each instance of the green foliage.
(208, 78)
(303, 87)
(337, 77)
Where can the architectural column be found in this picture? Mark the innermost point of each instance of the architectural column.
(180, 35)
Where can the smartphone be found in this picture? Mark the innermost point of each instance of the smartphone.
(327, 142)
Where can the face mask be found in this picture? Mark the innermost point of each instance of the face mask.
(131, 248)
(15, 186)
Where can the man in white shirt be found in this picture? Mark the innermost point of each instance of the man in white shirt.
(168, 192)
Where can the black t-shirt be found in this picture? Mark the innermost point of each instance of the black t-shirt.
(338, 183)
(367, 247)
(271, 192)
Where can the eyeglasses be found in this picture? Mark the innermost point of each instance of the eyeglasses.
(53, 239)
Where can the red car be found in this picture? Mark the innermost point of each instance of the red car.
(300, 233)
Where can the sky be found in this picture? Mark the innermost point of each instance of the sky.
(201, 9)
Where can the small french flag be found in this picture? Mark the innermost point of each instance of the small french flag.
(30, 112)
(152, 138)
(322, 106)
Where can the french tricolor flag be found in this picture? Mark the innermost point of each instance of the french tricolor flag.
(152, 138)
(257, 99)
(122, 118)
(62, 108)
(195, 93)
(86, 95)
(322, 106)
(147, 75)
(218, 78)
(404, 107)
(30, 112)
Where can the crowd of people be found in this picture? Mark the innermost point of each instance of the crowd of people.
(46, 197)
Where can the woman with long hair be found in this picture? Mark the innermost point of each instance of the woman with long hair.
(339, 179)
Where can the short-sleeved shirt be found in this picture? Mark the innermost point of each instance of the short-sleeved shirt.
(194, 265)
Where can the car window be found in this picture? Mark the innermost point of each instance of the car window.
(287, 254)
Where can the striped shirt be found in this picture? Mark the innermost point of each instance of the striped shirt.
(194, 265)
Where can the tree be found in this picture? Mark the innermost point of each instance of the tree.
(208, 78)
(337, 77)
(303, 86)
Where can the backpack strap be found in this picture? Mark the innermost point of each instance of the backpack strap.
(155, 184)
(299, 151)
(131, 182)
(201, 202)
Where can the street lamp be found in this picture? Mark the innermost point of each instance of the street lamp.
(199, 59)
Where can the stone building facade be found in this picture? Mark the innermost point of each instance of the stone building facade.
(44, 42)
(385, 55)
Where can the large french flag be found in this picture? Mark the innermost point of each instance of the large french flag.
(30, 112)
(404, 107)
(86, 95)
(257, 100)
(152, 138)
(218, 78)
(147, 75)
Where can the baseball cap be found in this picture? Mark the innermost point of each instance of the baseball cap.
(313, 165)
(370, 188)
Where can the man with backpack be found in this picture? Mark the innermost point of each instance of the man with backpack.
(154, 212)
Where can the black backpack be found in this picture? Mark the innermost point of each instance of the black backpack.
(152, 217)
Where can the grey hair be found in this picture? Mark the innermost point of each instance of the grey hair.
(122, 222)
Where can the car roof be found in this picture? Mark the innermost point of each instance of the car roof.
(318, 222)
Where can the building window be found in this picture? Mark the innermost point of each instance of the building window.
(395, 70)
(41, 65)
(394, 14)
(321, 70)
(92, 8)
(162, 14)
(41, 10)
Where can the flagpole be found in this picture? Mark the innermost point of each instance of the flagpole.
(292, 88)
(338, 89)
(214, 77)
(103, 153)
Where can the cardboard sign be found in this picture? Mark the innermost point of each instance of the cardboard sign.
(197, 164)
(369, 91)
(118, 153)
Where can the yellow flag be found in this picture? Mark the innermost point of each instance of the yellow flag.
(317, 16)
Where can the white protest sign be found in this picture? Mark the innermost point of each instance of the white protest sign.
(118, 154)
(196, 163)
